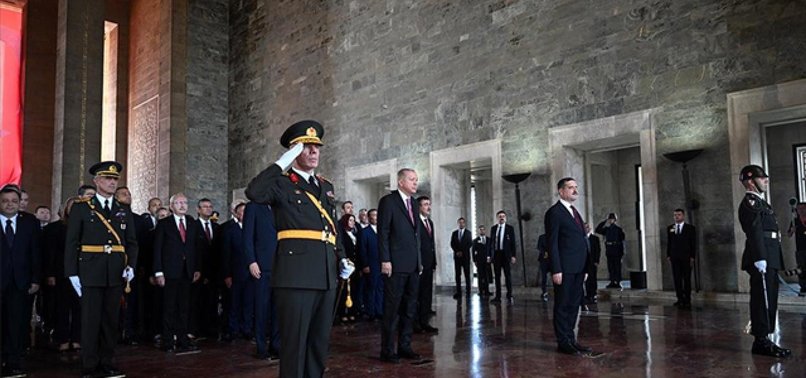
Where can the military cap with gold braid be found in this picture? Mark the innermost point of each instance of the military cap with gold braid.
(306, 132)
(107, 169)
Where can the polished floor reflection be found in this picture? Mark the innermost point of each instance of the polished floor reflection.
(639, 339)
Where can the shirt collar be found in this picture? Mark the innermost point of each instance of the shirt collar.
(101, 199)
(403, 195)
(305, 175)
(374, 227)
(177, 218)
(423, 217)
(4, 218)
(757, 194)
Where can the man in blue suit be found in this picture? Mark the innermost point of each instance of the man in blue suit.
(21, 269)
(260, 244)
(568, 253)
(238, 279)
(371, 259)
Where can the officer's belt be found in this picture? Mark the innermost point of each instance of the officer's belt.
(103, 248)
(323, 236)
(771, 234)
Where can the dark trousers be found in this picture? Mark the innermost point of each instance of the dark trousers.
(242, 307)
(16, 316)
(614, 267)
(568, 299)
(68, 313)
(399, 290)
(681, 273)
(195, 315)
(591, 286)
(132, 319)
(425, 295)
(265, 312)
(175, 315)
(762, 313)
(800, 258)
(48, 308)
(209, 318)
(305, 317)
(483, 276)
(544, 276)
(374, 293)
(501, 262)
(100, 313)
(150, 307)
(462, 264)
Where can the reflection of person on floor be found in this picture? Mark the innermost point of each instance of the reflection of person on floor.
(614, 248)
(798, 230)
(762, 258)
(545, 266)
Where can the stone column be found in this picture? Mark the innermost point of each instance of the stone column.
(79, 79)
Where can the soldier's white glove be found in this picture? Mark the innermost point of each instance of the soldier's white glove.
(76, 284)
(761, 265)
(289, 156)
(128, 273)
(346, 268)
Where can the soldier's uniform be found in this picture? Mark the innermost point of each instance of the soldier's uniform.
(305, 273)
(763, 243)
(99, 246)
(614, 249)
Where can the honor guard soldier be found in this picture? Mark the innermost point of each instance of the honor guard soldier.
(100, 251)
(309, 258)
(762, 259)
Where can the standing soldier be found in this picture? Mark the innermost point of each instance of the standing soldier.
(614, 248)
(762, 258)
(100, 251)
(308, 260)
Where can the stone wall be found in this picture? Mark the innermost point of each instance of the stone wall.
(400, 79)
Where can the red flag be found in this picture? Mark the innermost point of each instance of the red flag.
(10, 95)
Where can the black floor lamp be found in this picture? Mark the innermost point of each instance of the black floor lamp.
(516, 179)
(691, 203)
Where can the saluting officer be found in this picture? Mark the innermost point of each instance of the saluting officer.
(762, 258)
(100, 251)
(309, 258)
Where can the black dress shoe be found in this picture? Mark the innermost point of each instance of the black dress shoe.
(457, 295)
(111, 372)
(767, 348)
(496, 300)
(408, 354)
(392, 359)
(582, 348)
(428, 329)
(568, 349)
(784, 352)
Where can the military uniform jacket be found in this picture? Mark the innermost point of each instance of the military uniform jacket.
(299, 263)
(758, 223)
(85, 228)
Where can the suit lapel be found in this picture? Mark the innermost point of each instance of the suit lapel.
(402, 206)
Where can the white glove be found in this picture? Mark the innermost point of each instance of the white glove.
(761, 265)
(76, 284)
(346, 268)
(128, 273)
(289, 156)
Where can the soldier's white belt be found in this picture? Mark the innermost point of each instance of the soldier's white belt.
(323, 236)
(771, 234)
(103, 248)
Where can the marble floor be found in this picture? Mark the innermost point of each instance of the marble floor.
(641, 338)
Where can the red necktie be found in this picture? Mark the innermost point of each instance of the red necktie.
(577, 218)
(408, 207)
(207, 231)
(182, 230)
(427, 227)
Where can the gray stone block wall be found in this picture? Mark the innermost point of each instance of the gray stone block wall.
(398, 79)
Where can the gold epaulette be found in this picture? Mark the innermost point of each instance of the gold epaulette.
(83, 199)
(322, 178)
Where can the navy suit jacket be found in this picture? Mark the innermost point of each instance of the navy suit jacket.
(368, 249)
(234, 262)
(399, 238)
(566, 241)
(260, 237)
(22, 262)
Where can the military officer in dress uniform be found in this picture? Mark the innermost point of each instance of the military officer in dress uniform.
(309, 258)
(100, 251)
(762, 258)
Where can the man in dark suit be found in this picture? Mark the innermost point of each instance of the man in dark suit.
(461, 243)
(371, 260)
(309, 258)
(260, 244)
(481, 248)
(681, 250)
(21, 259)
(568, 253)
(400, 262)
(762, 259)
(150, 296)
(614, 248)
(428, 254)
(237, 278)
(502, 254)
(591, 284)
(204, 293)
(99, 255)
(177, 265)
(545, 266)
